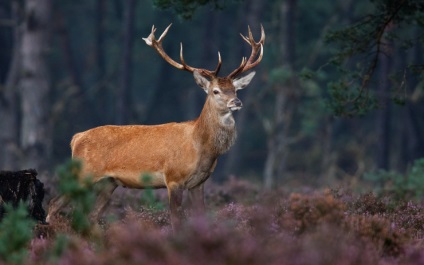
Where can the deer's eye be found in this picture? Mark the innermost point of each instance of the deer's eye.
(216, 91)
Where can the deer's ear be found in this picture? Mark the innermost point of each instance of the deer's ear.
(242, 82)
(201, 81)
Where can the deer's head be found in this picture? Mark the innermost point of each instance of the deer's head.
(221, 90)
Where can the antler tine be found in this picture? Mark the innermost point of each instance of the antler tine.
(256, 47)
(245, 38)
(151, 37)
(157, 45)
(262, 40)
(164, 33)
(250, 33)
(239, 69)
(186, 67)
(246, 64)
(202, 71)
(251, 65)
(218, 67)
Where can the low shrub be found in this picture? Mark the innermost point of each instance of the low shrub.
(81, 195)
(399, 186)
(15, 234)
(328, 227)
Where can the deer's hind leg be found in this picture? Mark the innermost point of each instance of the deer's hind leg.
(104, 189)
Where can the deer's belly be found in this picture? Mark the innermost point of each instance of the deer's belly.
(141, 180)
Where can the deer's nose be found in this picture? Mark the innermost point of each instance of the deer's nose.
(237, 102)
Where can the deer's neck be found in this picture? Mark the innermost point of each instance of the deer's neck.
(215, 129)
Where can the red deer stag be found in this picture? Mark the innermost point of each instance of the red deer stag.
(177, 156)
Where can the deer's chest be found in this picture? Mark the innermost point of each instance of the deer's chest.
(224, 139)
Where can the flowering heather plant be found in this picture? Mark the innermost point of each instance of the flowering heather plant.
(276, 227)
(311, 211)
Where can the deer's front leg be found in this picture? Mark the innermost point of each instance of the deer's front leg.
(175, 194)
(197, 200)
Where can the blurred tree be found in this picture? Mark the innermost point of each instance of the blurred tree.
(360, 47)
(9, 136)
(287, 93)
(414, 107)
(383, 115)
(6, 37)
(34, 85)
(76, 85)
(186, 8)
(252, 14)
(286, 122)
(100, 48)
(123, 89)
(99, 51)
(194, 100)
(378, 66)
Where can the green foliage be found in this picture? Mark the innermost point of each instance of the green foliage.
(60, 245)
(313, 105)
(80, 194)
(347, 99)
(359, 47)
(185, 9)
(280, 75)
(307, 74)
(148, 198)
(401, 187)
(15, 234)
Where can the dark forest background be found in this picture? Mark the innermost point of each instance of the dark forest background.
(339, 92)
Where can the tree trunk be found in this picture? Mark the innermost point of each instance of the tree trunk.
(383, 118)
(69, 58)
(234, 158)
(101, 77)
(276, 139)
(99, 47)
(35, 85)
(195, 97)
(415, 128)
(9, 141)
(122, 104)
(286, 97)
(383, 115)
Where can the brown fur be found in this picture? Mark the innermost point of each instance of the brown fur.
(177, 156)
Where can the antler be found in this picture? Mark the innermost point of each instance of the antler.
(157, 45)
(250, 63)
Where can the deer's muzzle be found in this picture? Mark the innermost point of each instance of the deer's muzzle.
(235, 104)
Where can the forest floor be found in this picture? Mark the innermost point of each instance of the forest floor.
(244, 225)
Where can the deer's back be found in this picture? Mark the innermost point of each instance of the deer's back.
(128, 152)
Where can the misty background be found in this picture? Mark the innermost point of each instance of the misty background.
(338, 93)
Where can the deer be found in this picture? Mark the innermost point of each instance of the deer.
(176, 156)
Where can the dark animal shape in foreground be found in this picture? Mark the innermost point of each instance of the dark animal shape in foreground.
(22, 186)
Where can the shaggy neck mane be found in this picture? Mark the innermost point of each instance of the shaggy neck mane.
(215, 129)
